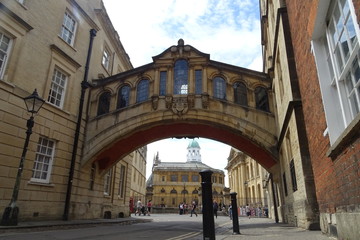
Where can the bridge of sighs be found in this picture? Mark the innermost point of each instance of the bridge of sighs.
(182, 93)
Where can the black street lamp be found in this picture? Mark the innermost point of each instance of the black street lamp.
(10, 216)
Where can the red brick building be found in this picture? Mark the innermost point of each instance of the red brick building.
(325, 38)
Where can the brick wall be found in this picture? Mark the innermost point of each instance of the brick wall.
(336, 180)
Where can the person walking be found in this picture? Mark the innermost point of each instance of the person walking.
(215, 207)
(248, 211)
(230, 212)
(193, 209)
(181, 209)
(138, 207)
(149, 205)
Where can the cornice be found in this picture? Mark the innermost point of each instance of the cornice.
(18, 19)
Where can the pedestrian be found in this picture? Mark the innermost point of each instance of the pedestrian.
(215, 207)
(193, 209)
(230, 212)
(181, 208)
(149, 205)
(138, 207)
(248, 211)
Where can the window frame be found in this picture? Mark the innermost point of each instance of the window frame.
(198, 81)
(340, 118)
(104, 107)
(106, 59)
(122, 178)
(219, 88)
(293, 175)
(142, 90)
(120, 102)
(240, 94)
(108, 182)
(63, 26)
(55, 87)
(262, 102)
(181, 77)
(44, 156)
(162, 83)
(6, 54)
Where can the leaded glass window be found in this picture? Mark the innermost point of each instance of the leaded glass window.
(142, 91)
(123, 97)
(219, 88)
(240, 94)
(104, 103)
(198, 81)
(181, 77)
(261, 98)
(162, 90)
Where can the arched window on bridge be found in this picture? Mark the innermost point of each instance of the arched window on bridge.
(240, 94)
(219, 88)
(181, 70)
(123, 97)
(142, 92)
(104, 103)
(261, 98)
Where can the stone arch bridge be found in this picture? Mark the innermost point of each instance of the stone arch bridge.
(182, 93)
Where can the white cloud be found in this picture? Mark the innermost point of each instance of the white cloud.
(228, 30)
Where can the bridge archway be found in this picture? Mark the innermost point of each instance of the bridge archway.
(187, 101)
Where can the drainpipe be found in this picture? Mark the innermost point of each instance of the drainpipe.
(84, 86)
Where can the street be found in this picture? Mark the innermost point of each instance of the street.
(166, 227)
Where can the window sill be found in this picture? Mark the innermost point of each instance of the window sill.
(350, 134)
(41, 184)
(72, 47)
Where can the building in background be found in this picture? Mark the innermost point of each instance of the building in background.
(248, 179)
(172, 183)
(44, 46)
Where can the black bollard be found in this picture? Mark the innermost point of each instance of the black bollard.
(235, 217)
(207, 208)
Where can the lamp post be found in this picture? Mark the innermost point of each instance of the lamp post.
(10, 216)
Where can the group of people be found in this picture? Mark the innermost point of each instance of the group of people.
(183, 208)
(141, 209)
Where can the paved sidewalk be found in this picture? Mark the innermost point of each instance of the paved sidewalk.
(72, 223)
(253, 229)
(264, 228)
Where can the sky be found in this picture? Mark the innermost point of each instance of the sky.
(228, 30)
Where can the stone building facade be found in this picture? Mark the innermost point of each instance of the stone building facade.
(248, 179)
(44, 46)
(293, 182)
(138, 177)
(311, 51)
(172, 183)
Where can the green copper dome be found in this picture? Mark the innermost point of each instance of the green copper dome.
(194, 144)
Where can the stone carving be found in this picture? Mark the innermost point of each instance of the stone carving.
(155, 101)
(180, 106)
(205, 100)
(168, 101)
(191, 100)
